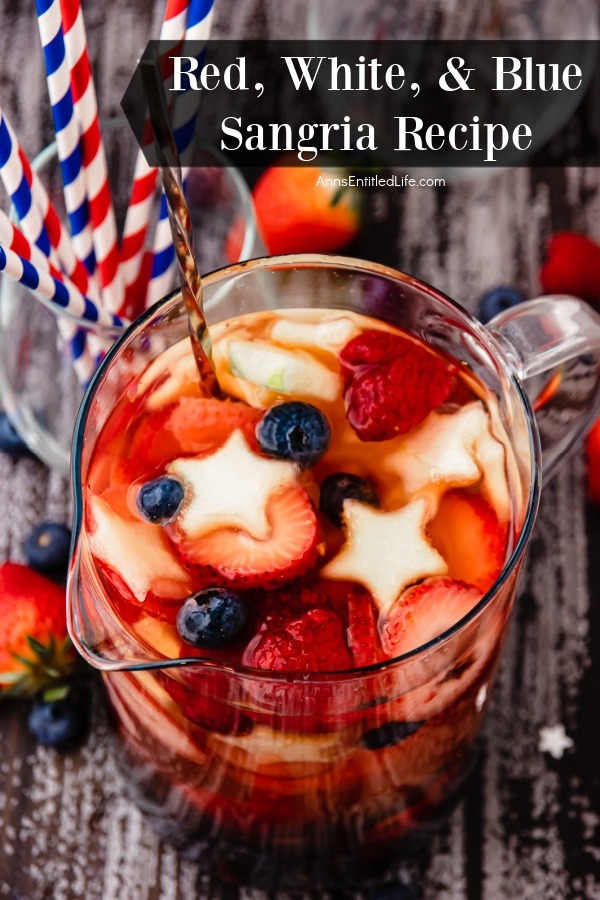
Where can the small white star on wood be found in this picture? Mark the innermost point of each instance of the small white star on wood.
(385, 551)
(554, 740)
(230, 488)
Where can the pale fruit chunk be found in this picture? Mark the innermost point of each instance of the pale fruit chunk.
(176, 368)
(491, 456)
(385, 551)
(331, 334)
(265, 747)
(138, 552)
(282, 371)
(230, 488)
(442, 449)
(454, 450)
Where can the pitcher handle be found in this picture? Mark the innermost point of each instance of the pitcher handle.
(553, 346)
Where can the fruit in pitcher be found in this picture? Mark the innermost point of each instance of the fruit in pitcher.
(230, 556)
(159, 500)
(398, 537)
(363, 636)
(212, 618)
(425, 611)
(35, 649)
(469, 536)
(295, 431)
(388, 734)
(313, 642)
(283, 371)
(391, 384)
(342, 486)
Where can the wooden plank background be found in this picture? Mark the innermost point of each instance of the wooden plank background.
(529, 826)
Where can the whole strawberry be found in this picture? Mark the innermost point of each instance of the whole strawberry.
(35, 649)
(299, 211)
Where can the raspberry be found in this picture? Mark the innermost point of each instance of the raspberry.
(391, 384)
(314, 642)
(572, 266)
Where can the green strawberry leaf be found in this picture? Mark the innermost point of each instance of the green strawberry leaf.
(56, 693)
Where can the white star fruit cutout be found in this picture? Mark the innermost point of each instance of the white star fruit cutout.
(454, 450)
(385, 551)
(138, 552)
(230, 488)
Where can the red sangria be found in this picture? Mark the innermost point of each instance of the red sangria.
(345, 502)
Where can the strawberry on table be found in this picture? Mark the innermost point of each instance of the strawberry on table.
(297, 215)
(35, 649)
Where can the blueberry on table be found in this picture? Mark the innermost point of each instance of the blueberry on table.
(10, 442)
(342, 486)
(388, 734)
(60, 718)
(47, 547)
(159, 501)
(295, 431)
(498, 300)
(212, 618)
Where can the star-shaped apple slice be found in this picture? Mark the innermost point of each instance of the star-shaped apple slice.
(385, 551)
(230, 489)
(442, 449)
(138, 553)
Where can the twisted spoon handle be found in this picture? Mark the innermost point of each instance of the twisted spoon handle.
(181, 226)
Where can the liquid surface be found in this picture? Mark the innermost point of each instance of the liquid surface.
(322, 592)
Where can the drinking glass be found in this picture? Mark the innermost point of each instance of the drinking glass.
(38, 386)
(231, 764)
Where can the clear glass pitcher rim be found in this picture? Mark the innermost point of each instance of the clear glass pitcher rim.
(332, 261)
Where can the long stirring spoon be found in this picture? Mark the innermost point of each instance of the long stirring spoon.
(181, 225)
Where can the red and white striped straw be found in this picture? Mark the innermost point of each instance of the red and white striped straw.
(13, 238)
(66, 129)
(198, 26)
(143, 190)
(104, 228)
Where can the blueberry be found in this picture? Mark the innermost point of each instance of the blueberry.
(159, 500)
(212, 618)
(60, 719)
(335, 489)
(295, 431)
(10, 442)
(47, 547)
(498, 300)
(388, 734)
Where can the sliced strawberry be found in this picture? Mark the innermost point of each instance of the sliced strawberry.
(363, 636)
(314, 642)
(193, 425)
(426, 611)
(230, 556)
(467, 533)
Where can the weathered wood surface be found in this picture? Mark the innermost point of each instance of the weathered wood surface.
(529, 826)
